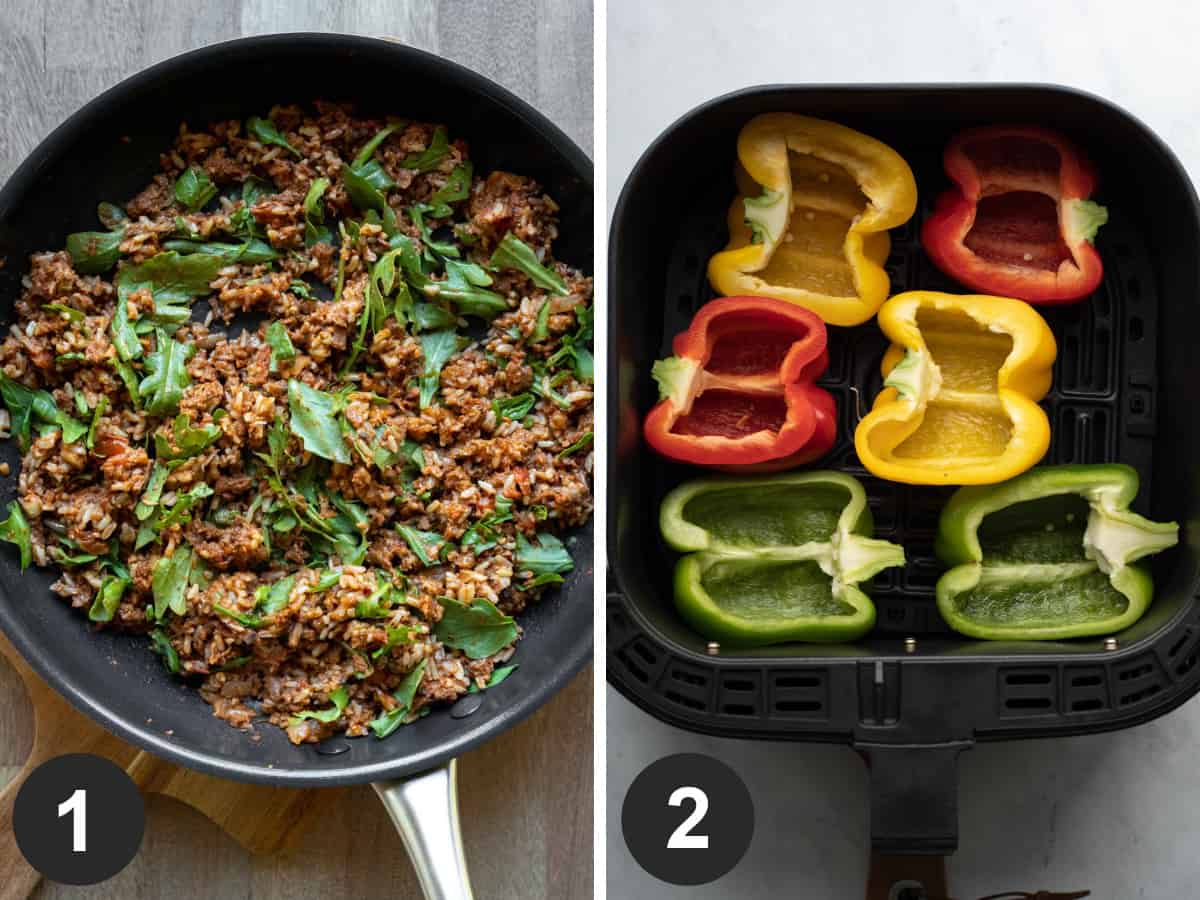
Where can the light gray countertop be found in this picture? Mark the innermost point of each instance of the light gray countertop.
(1114, 813)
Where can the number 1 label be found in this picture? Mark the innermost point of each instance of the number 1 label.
(76, 805)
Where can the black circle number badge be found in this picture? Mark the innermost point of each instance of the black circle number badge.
(78, 819)
(688, 819)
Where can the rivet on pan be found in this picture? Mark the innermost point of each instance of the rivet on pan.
(1110, 644)
(713, 648)
(466, 706)
(910, 645)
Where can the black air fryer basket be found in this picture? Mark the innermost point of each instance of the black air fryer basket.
(912, 694)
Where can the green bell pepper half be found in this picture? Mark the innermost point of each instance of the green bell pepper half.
(1047, 555)
(775, 558)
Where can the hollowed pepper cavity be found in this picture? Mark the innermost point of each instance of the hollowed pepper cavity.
(775, 558)
(810, 224)
(961, 383)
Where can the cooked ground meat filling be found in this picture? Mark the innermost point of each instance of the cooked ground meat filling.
(310, 412)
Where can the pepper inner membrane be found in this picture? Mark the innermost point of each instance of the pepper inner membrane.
(762, 591)
(732, 414)
(754, 344)
(784, 516)
(811, 254)
(1045, 536)
(965, 417)
(1016, 218)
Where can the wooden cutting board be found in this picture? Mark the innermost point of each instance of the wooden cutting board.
(262, 819)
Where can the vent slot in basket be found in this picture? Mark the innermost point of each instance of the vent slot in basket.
(1028, 691)
(1138, 679)
(799, 694)
(1085, 689)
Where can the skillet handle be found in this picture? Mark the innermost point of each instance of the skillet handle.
(424, 808)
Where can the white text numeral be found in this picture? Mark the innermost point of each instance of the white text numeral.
(682, 837)
(76, 805)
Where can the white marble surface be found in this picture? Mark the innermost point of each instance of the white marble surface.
(1116, 813)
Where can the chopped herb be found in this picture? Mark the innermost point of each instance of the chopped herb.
(478, 629)
(514, 253)
(128, 376)
(194, 189)
(420, 542)
(456, 188)
(162, 646)
(250, 621)
(395, 637)
(170, 581)
(280, 343)
(15, 530)
(483, 534)
(339, 698)
(430, 157)
(71, 313)
(265, 132)
(541, 329)
(173, 280)
(100, 410)
(437, 348)
(110, 215)
(404, 696)
(539, 512)
(548, 555)
(108, 598)
(369, 148)
(252, 250)
(236, 663)
(441, 248)
(326, 581)
(152, 492)
(315, 229)
(95, 252)
(27, 407)
(585, 441)
(516, 407)
(300, 289)
(498, 675)
(541, 387)
(272, 598)
(314, 421)
(167, 375)
(255, 189)
(367, 183)
(464, 286)
(431, 316)
(189, 441)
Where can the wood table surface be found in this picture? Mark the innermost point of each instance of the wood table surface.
(526, 797)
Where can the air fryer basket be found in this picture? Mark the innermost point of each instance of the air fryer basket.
(1123, 388)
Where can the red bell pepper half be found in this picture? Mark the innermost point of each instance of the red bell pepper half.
(1019, 223)
(739, 393)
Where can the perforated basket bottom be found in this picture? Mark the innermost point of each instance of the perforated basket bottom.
(1101, 405)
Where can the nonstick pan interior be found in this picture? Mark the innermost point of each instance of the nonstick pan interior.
(108, 151)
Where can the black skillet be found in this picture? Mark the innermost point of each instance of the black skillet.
(107, 151)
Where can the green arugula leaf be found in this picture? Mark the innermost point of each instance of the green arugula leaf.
(545, 578)
(300, 289)
(169, 582)
(430, 157)
(483, 534)
(315, 229)
(189, 440)
(441, 248)
(367, 183)
(253, 250)
(181, 512)
(271, 598)
(516, 407)
(404, 696)
(548, 555)
(314, 421)
(479, 630)
(95, 252)
(339, 698)
(280, 343)
(100, 410)
(162, 646)
(498, 675)
(74, 315)
(110, 215)
(236, 663)
(193, 189)
(250, 621)
(456, 188)
(514, 253)
(27, 407)
(585, 441)
(395, 637)
(431, 316)
(265, 132)
(369, 148)
(541, 328)
(421, 541)
(167, 375)
(326, 581)
(15, 530)
(437, 347)
(173, 281)
(108, 598)
(152, 493)
(542, 387)
(255, 190)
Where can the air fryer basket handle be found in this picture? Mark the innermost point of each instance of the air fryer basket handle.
(424, 809)
(914, 797)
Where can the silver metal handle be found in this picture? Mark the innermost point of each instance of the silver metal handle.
(425, 810)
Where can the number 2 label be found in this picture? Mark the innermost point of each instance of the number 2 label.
(682, 837)
(76, 805)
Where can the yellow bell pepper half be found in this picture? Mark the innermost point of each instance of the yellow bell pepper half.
(810, 226)
(961, 384)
